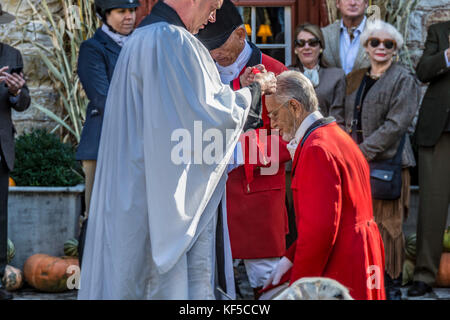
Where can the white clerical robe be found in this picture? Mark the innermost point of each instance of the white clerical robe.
(148, 213)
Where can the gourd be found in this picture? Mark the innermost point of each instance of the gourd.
(12, 183)
(10, 251)
(443, 276)
(47, 273)
(12, 278)
(71, 247)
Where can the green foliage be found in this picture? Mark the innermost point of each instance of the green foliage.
(43, 160)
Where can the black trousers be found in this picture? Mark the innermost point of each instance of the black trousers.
(4, 183)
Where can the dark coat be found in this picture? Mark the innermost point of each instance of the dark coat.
(432, 68)
(10, 57)
(96, 63)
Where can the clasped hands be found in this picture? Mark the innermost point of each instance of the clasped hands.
(266, 80)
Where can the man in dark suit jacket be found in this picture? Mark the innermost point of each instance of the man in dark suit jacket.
(433, 138)
(13, 94)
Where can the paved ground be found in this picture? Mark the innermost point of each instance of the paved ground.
(246, 291)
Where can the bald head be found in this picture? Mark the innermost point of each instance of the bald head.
(195, 14)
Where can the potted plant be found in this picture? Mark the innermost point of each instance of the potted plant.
(45, 205)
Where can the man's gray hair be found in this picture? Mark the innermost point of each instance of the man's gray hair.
(294, 85)
(381, 26)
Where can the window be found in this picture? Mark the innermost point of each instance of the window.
(270, 28)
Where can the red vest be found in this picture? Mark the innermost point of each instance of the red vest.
(257, 215)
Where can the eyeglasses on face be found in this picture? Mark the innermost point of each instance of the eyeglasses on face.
(388, 43)
(274, 113)
(311, 42)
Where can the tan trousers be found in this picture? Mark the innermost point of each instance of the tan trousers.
(89, 173)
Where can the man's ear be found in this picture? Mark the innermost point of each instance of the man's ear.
(296, 106)
(337, 4)
(241, 33)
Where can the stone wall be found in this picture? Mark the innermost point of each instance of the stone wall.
(426, 13)
(19, 34)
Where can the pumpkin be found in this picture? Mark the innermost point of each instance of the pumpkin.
(12, 278)
(47, 273)
(443, 276)
(447, 240)
(408, 272)
(410, 247)
(12, 183)
(10, 251)
(71, 248)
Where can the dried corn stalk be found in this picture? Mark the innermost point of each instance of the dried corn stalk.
(77, 23)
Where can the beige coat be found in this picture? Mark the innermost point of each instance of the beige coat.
(331, 54)
(388, 110)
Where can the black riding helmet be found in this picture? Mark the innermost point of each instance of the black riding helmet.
(103, 6)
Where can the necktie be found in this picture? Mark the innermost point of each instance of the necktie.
(351, 32)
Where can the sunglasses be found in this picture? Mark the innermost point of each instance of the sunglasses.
(388, 44)
(311, 42)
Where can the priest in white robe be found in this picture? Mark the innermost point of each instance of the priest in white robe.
(158, 204)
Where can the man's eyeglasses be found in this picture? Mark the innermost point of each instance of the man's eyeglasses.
(388, 43)
(311, 42)
(274, 113)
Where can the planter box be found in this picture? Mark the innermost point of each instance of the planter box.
(41, 219)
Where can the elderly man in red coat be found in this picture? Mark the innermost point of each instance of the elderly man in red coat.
(257, 215)
(337, 236)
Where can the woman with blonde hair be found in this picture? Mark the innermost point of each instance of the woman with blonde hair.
(380, 105)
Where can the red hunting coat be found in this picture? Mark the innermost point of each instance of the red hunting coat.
(257, 215)
(337, 236)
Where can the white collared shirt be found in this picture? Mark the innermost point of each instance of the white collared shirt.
(446, 58)
(231, 72)
(309, 120)
(349, 49)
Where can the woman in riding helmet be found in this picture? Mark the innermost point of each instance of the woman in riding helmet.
(96, 62)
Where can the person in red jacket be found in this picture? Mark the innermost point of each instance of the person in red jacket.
(337, 235)
(257, 215)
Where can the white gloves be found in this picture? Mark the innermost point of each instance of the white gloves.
(282, 267)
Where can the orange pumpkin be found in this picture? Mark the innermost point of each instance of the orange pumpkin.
(12, 183)
(443, 276)
(47, 273)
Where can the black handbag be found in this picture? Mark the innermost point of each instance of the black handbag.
(386, 176)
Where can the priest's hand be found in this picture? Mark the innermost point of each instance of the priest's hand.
(248, 77)
(267, 81)
(282, 267)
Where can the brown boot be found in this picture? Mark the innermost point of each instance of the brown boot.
(256, 294)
